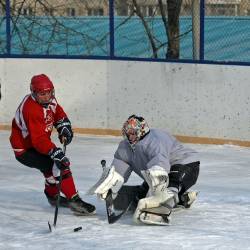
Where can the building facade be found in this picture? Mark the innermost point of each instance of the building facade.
(122, 7)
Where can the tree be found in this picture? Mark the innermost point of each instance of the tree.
(45, 27)
(170, 13)
(174, 8)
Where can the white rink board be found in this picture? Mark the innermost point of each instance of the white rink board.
(187, 99)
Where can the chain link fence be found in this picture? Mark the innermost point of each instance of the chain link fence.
(143, 29)
(3, 49)
(227, 30)
(58, 27)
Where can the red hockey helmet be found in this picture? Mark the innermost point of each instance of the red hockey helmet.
(42, 89)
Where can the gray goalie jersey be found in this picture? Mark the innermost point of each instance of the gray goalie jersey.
(158, 148)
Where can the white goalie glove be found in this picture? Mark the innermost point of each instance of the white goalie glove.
(110, 179)
(158, 194)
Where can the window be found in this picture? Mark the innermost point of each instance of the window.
(131, 10)
(25, 11)
(71, 12)
(95, 12)
(150, 11)
(224, 9)
(49, 11)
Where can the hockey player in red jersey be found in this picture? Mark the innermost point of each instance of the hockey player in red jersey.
(31, 141)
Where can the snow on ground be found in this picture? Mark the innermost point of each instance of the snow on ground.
(218, 220)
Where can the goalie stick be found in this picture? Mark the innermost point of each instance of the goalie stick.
(112, 217)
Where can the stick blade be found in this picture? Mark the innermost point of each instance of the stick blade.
(112, 217)
(50, 227)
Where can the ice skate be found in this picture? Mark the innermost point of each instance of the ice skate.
(187, 199)
(53, 199)
(80, 207)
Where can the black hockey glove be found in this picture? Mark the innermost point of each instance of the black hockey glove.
(61, 161)
(64, 130)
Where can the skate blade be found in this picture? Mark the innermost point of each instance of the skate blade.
(50, 227)
(83, 214)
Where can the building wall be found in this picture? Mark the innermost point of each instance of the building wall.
(122, 7)
(191, 100)
(60, 7)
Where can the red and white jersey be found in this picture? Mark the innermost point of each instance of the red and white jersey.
(33, 124)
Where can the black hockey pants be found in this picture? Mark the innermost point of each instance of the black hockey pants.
(184, 176)
(33, 159)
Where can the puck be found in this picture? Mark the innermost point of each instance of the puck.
(77, 229)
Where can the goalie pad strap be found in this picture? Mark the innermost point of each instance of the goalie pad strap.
(162, 210)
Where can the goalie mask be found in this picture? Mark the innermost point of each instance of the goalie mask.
(42, 89)
(134, 129)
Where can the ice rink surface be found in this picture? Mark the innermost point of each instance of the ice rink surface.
(220, 218)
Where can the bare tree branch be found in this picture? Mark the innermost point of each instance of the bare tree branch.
(151, 39)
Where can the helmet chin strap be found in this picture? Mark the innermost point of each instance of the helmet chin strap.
(45, 105)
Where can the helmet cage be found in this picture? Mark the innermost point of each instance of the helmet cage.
(134, 129)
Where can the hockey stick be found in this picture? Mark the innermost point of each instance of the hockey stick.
(58, 197)
(112, 217)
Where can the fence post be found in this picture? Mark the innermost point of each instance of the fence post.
(202, 28)
(196, 28)
(111, 28)
(8, 36)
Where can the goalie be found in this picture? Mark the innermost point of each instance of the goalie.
(167, 167)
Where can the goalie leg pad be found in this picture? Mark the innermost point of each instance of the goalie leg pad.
(154, 219)
(162, 210)
(152, 202)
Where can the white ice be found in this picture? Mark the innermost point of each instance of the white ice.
(220, 218)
